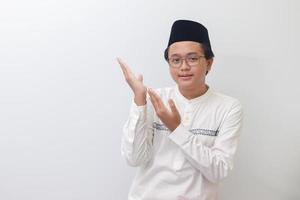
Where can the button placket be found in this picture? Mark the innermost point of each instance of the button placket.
(187, 115)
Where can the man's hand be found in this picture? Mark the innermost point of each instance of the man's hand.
(172, 118)
(136, 84)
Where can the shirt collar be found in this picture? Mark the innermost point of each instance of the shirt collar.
(195, 100)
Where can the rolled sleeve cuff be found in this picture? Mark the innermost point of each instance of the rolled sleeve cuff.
(138, 112)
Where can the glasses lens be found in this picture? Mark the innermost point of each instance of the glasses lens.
(175, 61)
(193, 60)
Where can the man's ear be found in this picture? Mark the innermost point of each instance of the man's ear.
(209, 63)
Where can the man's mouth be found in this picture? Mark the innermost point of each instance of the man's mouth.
(185, 77)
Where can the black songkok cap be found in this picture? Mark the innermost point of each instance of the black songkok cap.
(186, 30)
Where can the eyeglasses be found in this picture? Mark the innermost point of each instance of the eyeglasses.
(191, 60)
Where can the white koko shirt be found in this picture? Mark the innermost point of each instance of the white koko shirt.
(188, 163)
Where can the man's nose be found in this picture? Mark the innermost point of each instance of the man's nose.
(184, 65)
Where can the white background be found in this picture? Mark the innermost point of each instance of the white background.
(63, 100)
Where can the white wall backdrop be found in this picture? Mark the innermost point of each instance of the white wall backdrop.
(63, 99)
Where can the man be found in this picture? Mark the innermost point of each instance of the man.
(184, 141)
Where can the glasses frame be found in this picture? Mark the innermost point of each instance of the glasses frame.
(186, 61)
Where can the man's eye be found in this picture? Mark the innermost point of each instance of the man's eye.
(175, 60)
(193, 59)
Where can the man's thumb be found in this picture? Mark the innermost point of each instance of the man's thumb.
(140, 78)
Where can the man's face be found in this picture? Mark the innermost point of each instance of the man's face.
(186, 76)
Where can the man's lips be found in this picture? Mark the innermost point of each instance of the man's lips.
(185, 75)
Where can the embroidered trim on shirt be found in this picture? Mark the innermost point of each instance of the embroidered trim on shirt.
(160, 127)
(199, 131)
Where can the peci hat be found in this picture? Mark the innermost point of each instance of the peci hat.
(186, 30)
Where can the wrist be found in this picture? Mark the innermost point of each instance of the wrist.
(174, 127)
(140, 100)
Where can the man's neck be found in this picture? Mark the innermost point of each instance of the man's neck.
(193, 93)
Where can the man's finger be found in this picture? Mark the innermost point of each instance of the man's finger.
(153, 97)
(173, 107)
(127, 72)
(122, 67)
(158, 100)
(153, 101)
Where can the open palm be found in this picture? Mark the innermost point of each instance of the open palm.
(135, 83)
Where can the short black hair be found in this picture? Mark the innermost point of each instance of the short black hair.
(208, 53)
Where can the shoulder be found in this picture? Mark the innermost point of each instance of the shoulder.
(226, 101)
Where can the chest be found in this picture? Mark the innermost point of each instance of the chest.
(201, 123)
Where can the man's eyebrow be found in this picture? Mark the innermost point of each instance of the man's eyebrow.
(175, 54)
(190, 53)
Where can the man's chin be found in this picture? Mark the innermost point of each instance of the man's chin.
(185, 85)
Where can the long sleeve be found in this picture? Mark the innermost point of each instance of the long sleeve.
(216, 161)
(136, 144)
